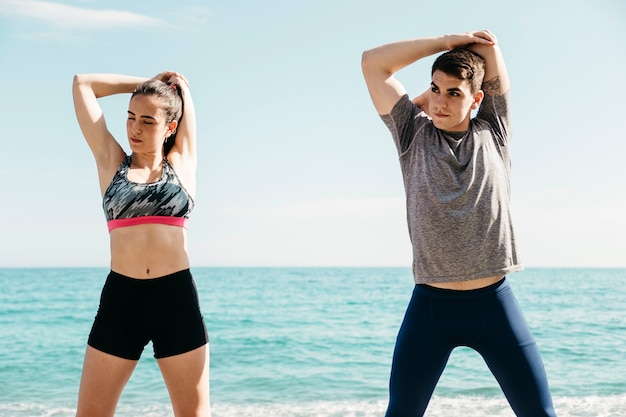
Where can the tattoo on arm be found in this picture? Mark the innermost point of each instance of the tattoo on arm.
(492, 87)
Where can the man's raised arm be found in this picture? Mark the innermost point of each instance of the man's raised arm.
(496, 81)
(380, 64)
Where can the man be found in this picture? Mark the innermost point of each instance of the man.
(456, 177)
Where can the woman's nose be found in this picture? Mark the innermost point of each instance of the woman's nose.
(135, 127)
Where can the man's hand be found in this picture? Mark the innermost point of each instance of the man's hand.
(421, 101)
(483, 37)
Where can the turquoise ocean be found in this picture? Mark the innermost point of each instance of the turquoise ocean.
(304, 342)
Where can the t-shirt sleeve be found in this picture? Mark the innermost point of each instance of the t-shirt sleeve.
(401, 122)
(495, 110)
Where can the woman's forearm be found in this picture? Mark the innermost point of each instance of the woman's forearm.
(104, 85)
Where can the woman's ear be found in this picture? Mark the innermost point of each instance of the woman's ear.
(171, 128)
(478, 98)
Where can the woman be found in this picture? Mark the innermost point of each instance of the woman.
(147, 197)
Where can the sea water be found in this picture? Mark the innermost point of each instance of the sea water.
(304, 342)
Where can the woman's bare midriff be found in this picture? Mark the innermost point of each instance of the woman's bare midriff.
(149, 250)
(473, 284)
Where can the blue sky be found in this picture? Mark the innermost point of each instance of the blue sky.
(296, 168)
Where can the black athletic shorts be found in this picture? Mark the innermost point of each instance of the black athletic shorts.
(134, 311)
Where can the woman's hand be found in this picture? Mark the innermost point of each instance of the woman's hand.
(172, 77)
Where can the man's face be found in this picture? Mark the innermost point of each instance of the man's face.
(450, 102)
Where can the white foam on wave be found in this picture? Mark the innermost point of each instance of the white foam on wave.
(611, 406)
(592, 406)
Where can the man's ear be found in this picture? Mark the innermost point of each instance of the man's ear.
(478, 98)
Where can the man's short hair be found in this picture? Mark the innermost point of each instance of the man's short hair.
(462, 64)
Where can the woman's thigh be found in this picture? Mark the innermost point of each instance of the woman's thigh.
(187, 379)
(103, 379)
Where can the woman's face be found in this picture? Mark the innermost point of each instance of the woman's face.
(146, 125)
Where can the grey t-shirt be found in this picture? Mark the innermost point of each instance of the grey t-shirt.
(457, 193)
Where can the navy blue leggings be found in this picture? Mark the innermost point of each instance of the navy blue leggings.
(487, 320)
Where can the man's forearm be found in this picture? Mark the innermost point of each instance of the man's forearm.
(496, 80)
(393, 57)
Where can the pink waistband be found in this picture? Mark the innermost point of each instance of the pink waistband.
(172, 221)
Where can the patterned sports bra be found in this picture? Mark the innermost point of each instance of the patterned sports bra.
(128, 203)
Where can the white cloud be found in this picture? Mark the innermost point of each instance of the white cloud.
(559, 228)
(65, 16)
(369, 232)
(572, 228)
